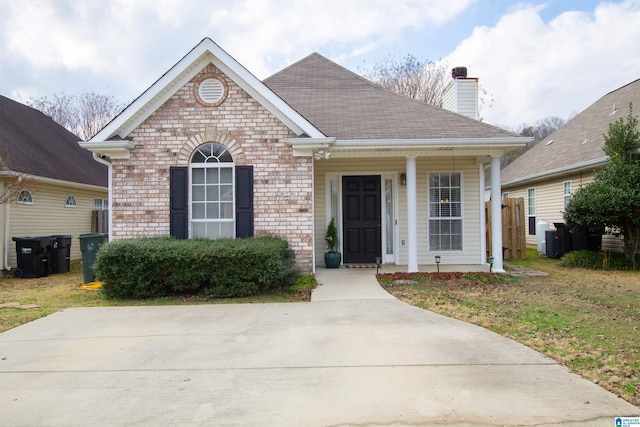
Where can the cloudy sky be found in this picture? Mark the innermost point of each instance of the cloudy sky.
(535, 58)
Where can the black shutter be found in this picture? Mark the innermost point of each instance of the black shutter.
(244, 201)
(179, 202)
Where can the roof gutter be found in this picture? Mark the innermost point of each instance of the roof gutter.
(53, 181)
(590, 164)
(120, 149)
(307, 145)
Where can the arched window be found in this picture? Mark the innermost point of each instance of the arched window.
(212, 192)
(71, 201)
(25, 198)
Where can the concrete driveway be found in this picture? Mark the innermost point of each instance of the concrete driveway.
(352, 356)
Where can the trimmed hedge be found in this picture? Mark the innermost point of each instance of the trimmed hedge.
(596, 260)
(163, 266)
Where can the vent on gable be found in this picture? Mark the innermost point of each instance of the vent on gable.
(614, 109)
(211, 91)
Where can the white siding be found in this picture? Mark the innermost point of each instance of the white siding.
(549, 199)
(461, 96)
(49, 216)
(471, 253)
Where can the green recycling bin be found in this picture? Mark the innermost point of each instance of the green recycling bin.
(89, 245)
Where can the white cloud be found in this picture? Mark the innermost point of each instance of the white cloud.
(268, 35)
(132, 42)
(536, 69)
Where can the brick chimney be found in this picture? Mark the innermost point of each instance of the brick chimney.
(461, 94)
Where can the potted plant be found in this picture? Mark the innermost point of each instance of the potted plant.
(332, 257)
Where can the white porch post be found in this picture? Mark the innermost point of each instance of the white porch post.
(496, 215)
(483, 218)
(412, 217)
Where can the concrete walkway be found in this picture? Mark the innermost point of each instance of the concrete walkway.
(353, 356)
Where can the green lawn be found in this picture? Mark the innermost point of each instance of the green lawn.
(588, 320)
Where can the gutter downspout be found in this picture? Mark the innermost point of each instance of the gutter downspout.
(6, 232)
(98, 158)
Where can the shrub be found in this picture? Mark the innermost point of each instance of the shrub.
(304, 283)
(596, 260)
(161, 266)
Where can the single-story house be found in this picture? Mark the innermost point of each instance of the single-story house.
(211, 151)
(63, 184)
(552, 170)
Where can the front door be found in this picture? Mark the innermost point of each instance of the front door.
(361, 218)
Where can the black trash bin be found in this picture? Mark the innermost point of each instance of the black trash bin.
(89, 245)
(61, 254)
(584, 240)
(34, 257)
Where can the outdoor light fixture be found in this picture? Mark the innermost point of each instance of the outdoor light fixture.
(378, 262)
(322, 155)
(403, 178)
(438, 262)
(490, 259)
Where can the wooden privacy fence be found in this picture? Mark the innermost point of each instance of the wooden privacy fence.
(514, 244)
(100, 221)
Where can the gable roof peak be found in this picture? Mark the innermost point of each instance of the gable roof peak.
(204, 53)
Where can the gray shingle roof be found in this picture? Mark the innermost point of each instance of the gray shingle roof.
(569, 146)
(39, 146)
(344, 105)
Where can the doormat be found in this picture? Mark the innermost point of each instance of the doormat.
(359, 266)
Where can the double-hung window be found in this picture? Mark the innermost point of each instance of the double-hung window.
(531, 210)
(566, 193)
(445, 211)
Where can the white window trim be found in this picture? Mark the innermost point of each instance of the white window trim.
(461, 218)
(104, 204)
(529, 210)
(71, 205)
(25, 202)
(566, 197)
(395, 256)
(227, 165)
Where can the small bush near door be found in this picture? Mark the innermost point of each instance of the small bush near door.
(163, 266)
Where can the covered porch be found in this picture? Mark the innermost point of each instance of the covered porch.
(408, 206)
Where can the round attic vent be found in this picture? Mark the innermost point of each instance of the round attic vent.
(211, 91)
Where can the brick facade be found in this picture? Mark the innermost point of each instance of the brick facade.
(283, 184)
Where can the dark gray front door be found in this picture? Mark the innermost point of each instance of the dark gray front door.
(361, 218)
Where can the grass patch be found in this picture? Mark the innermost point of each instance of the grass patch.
(589, 320)
(59, 291)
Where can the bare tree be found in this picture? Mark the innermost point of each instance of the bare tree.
(412, 77)
(538, 131)
(15, 183)
(84, 114)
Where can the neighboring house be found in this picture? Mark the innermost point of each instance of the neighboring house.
(210, 151)
(552, 170)
(64, 182)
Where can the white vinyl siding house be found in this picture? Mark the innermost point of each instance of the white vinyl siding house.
(549, 200)
(48, 214)
(60, 179)
(564, 161)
